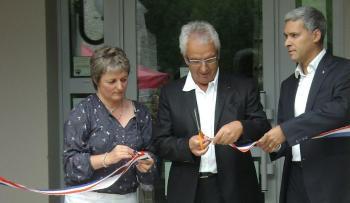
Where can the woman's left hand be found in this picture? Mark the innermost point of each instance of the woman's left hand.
(144, 165)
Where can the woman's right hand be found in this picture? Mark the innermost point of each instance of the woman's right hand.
(118, 153)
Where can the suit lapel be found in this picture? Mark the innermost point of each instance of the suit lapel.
(321, 73)
(190, 105)
(223, 89)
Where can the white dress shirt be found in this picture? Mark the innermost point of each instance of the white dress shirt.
(206, 102)
(302, 94)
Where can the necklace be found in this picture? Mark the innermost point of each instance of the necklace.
(120, 114)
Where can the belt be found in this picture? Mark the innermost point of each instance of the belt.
(297, 164)
(206, 174)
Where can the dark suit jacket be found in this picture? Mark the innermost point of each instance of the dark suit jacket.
(325, 162)
(237, 99)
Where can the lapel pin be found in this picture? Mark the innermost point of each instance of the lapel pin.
(323, 72)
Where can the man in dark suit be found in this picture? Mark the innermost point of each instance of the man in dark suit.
(314, 99)
(225, 109)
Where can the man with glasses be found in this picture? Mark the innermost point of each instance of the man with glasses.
(199, 116)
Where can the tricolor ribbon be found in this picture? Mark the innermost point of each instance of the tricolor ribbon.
(245, 147)
(92, 186)
(339, 132)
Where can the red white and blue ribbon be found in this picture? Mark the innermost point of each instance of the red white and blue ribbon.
(339, 132)
(92, 186)
(245, 147)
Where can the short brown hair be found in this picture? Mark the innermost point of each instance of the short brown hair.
(106, 59)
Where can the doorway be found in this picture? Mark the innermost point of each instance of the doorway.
(148, 32)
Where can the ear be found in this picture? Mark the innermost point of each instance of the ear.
(94, 81)
(185, 59)
(316, 35)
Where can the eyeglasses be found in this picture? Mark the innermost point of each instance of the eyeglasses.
(199, 62)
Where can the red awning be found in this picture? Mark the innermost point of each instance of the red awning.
(148, 78)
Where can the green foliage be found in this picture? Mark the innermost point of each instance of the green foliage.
(234, 20)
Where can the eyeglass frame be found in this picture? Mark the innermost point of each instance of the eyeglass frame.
(199, 62)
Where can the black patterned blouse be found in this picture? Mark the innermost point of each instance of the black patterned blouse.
(92, 130)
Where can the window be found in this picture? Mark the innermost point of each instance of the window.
(86, 34)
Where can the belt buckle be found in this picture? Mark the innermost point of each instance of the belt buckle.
(205, 175)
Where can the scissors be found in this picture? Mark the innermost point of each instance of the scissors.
(200, 133)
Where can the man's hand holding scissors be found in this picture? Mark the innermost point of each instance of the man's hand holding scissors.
(199, 144)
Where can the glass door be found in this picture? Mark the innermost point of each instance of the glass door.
(86, 25)
(82, 35)
(89, 24)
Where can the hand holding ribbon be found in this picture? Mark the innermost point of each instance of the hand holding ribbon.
(92, 186)
(144, 165)
(339, 132)
(272, 140)
(229, 133)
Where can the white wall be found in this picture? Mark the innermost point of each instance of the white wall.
(23, 103)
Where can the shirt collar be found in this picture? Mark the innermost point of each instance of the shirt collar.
(191, 85)
(312, 65)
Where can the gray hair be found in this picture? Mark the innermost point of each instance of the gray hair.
(205, 31)
(313, 19)
(107, 59)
